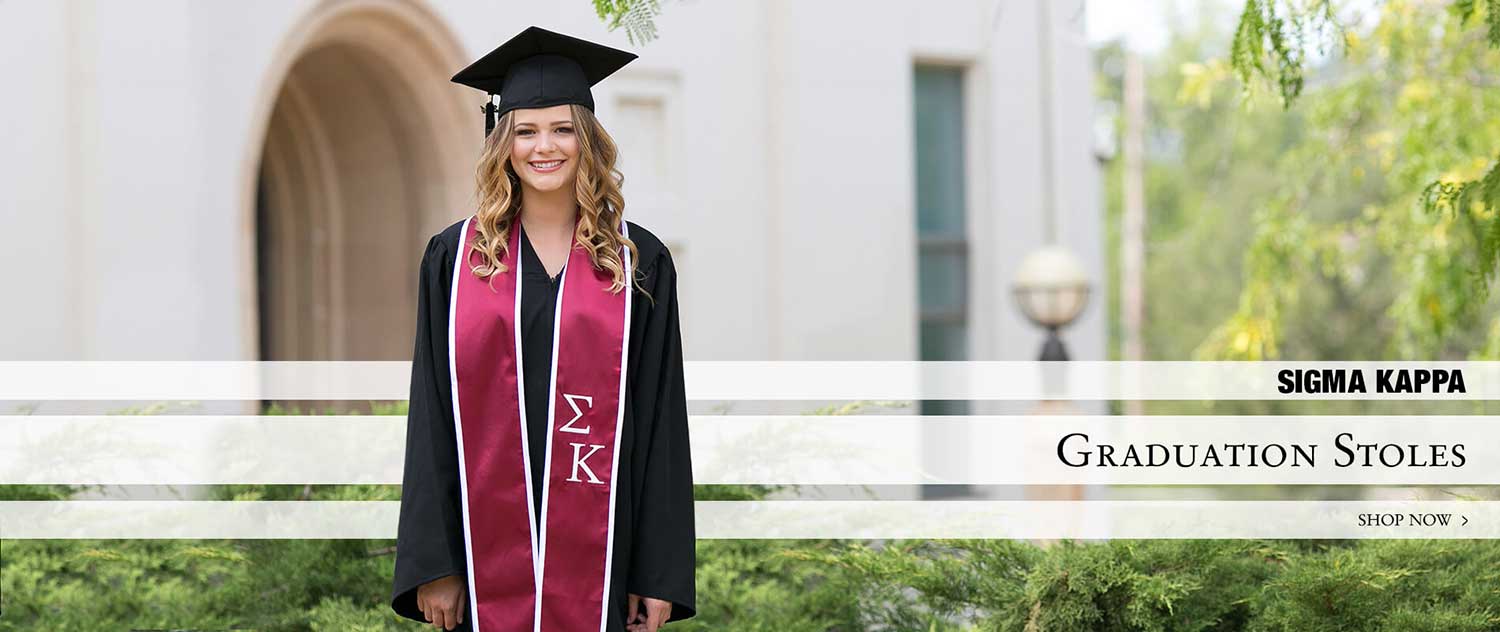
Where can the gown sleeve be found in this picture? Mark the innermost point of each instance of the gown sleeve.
(429, 536)
(663, 559)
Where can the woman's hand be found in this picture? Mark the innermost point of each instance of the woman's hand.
(442, 601)
(648, 618)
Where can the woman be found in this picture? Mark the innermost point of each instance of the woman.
(548, 484)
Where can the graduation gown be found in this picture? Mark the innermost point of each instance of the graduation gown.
(653, 550)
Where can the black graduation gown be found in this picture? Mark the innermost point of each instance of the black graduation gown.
(653, 548)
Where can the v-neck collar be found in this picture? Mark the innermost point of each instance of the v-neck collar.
(539, 268)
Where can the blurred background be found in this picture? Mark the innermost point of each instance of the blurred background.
(255, 181)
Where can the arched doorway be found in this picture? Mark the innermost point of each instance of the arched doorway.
(368, 150)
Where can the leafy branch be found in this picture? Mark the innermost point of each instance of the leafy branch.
(1272, 39)
(1448, 276)
(638, 17)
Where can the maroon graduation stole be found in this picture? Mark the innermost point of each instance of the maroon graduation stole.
(556, 580)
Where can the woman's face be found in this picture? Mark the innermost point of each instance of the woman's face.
(545, 149)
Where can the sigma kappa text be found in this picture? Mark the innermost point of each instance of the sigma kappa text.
(578, 461)
(1386, 381)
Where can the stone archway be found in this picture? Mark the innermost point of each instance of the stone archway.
(368, 150)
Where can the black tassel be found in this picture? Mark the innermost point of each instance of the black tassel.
(489, 116)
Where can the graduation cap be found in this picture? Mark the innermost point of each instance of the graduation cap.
(539, 68)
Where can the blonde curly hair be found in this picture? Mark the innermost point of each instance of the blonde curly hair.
(600, 204)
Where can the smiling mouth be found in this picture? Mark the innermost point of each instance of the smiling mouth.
(546, 166)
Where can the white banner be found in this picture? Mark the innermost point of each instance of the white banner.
(817, 381)
(797, 519)
(806, 450)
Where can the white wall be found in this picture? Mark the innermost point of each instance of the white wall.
(36, 150)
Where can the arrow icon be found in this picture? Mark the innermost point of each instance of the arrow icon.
(1466, 519)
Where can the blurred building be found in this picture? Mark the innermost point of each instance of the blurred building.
(837, 180)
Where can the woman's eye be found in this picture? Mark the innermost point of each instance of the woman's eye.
(523, 132)
(565, 130)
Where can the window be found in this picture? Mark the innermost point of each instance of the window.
(942, 242)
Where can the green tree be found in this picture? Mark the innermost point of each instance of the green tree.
(1393, 187)
(637, 17)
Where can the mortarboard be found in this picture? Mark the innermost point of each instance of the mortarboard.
(538, 68)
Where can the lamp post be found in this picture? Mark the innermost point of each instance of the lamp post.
(1051, 288)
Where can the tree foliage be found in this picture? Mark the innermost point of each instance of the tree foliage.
(1273, 39)
(637, 17)
(1401, 122)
